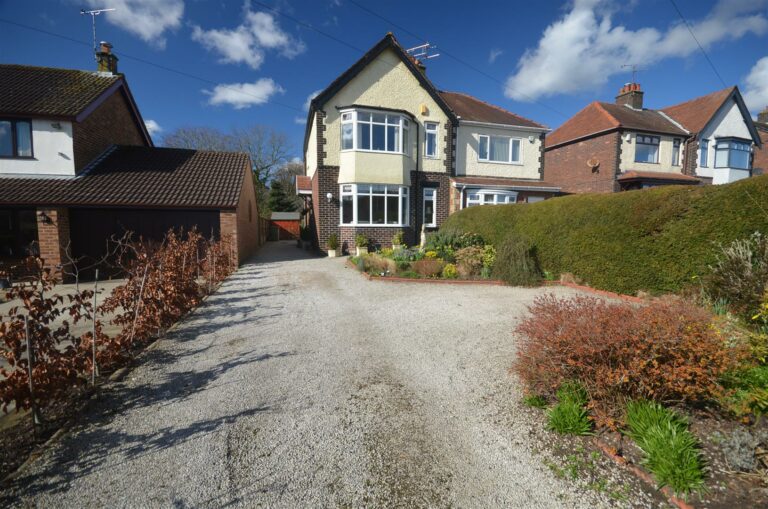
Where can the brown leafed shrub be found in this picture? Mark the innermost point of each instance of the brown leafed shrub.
(668, 352)
(427, 268)
(377, 263)
(469, 261)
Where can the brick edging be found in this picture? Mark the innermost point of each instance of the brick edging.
(394, 279)
(602, 293)
(640, 474)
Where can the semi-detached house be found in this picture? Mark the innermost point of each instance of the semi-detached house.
(609, 147)
(385, 150)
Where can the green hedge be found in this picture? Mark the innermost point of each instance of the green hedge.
(654, 240)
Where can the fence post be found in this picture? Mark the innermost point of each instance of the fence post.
(95, 370)
(36, 419)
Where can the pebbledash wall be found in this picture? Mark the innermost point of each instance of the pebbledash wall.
(567, 164)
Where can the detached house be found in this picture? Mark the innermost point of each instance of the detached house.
(385, 150)
(77, 165)
(608, 147)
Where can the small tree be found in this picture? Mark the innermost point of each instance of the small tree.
(279, 201)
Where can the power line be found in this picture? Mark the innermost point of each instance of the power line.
(703, 52)
(153, 64)
(454, 57)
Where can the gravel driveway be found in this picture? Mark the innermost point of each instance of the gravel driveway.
(301, 384)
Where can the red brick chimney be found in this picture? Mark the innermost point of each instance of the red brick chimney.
(631, 95)
(106, 60)
(763, 116)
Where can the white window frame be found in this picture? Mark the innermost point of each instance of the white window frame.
(648, 140)
(509, 197)
(350, 116)
(353, 190)
(432, 191)
(704, 153)
(677, 144)
(730, 149)
(431, 128)
(509, 160)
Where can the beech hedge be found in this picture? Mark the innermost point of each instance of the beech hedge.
(654, 240)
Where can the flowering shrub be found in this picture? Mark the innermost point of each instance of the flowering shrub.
(667, 352)
(450, 272)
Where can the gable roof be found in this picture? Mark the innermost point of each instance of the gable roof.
(69, 94)
(135, 176)
(473, 109)
(695, 114)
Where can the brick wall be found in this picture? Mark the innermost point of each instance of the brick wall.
(53, 236)
(242, 224)
(689, 156)
(760, 161)
(566, 165)
(112, 122)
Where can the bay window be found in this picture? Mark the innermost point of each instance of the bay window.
(430, 139)
(490, 197)
(15, 138)
(374, 204)
(430, 210)
(647, 149)
(732, 153)
(499, 149)
(374, 132)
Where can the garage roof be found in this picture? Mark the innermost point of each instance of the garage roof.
(132, 176)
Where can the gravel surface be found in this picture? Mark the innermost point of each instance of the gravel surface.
(301, 384)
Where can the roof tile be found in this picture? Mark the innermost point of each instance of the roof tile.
(694, 114)
(473, 109)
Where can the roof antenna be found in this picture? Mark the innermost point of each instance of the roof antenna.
(422, 52)
(635, 70)
(93, 14)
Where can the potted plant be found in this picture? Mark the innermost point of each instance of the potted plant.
(333, 245)
(361, 244)
(397, 240)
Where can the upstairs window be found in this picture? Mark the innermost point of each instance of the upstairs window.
(704, 154)
(430, 139)
(499, 149)
(647, 149)
(676, 152)
(374, 132)
(732, 153)
(15, 138)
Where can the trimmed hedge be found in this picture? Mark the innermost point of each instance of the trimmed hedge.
(654, 240)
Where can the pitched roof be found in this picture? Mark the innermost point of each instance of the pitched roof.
(473, 109)
(303, 184)
(694, 114)
(46, 91)
(132, 176)
(599, 117)
(657, 175)
(503, 182)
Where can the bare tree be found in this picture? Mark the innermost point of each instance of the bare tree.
(198, 138)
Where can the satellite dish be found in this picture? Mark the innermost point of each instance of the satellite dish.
(593, 162)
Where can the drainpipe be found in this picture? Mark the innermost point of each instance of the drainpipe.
(416, 221)
(461, 197)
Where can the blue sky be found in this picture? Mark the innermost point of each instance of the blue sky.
(258, 62)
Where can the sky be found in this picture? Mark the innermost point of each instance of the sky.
(236, 63)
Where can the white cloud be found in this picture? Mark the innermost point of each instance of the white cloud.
(149, 19)
(583, 49)
(247, 43)
(244, 95)
(310, 97)
(756, 86)
(300, 120)
(494, 54)
(153, 127)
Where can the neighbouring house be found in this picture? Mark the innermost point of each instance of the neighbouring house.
(760, 162)
(609, 147)
(77, 166)
(284, 226)
(385, 150)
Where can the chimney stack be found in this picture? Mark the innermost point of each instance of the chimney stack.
(106, 60)
(763, 116)
(631, 95)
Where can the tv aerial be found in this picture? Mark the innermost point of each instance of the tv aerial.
(93, 14)
(422, 52)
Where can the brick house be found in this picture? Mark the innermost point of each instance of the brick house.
(760, 163)
(609, 147)
(77, 165)
(385, 150)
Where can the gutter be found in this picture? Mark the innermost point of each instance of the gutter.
(505, 126)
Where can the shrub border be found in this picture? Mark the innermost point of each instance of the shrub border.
(395, 279)
(602, 293)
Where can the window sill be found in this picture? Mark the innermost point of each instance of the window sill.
(354, 225)
(513, 163)
(19, 158)
(646, 162)
(373, 151)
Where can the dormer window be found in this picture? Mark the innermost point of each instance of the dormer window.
(373, 131)
(15, 138)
